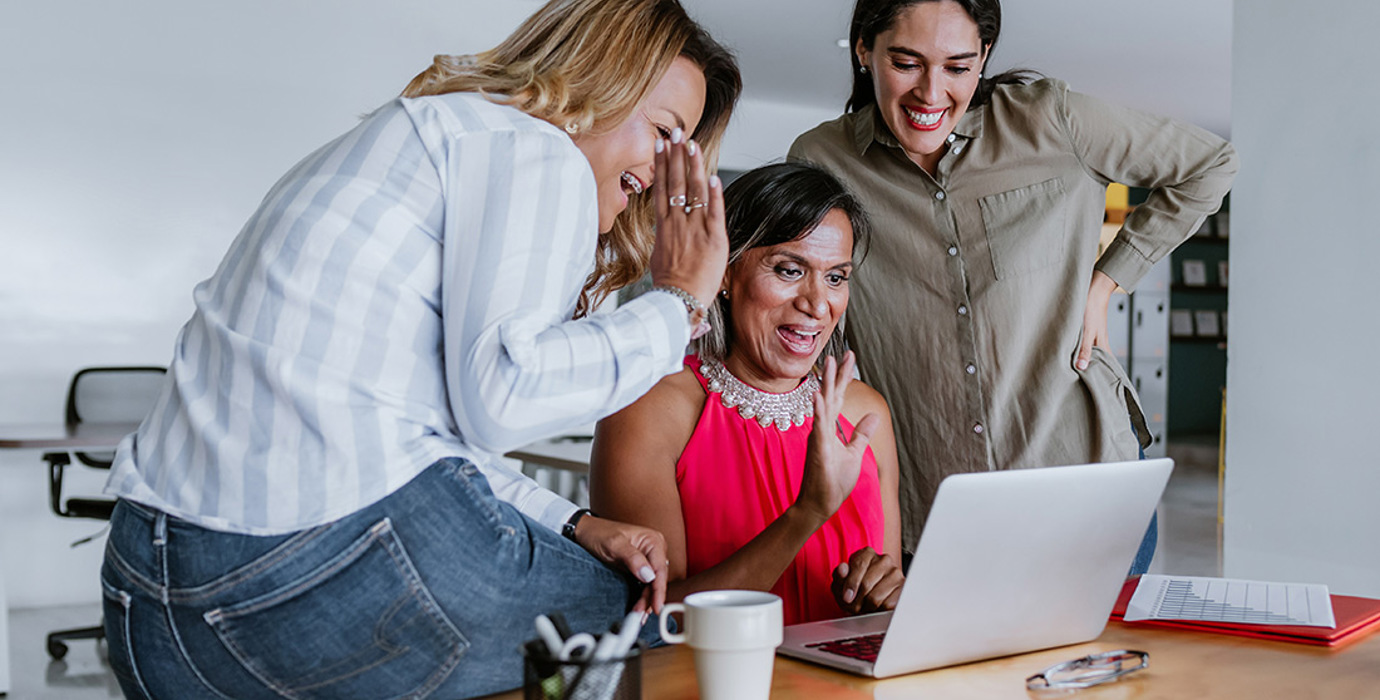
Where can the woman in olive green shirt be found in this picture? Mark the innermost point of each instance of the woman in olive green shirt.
(983, 315)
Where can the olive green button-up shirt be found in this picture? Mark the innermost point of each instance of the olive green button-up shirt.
(968, 310)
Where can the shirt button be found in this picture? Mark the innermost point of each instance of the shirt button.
(953, 250)
(951, 138)
(977, 428)
(939, 196)
(962, 310)
(958, 149)
(971, 368)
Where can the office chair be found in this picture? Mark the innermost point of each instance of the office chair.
(97, 395)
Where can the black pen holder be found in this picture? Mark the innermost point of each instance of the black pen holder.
(546, 678)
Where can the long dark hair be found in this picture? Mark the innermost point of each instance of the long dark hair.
(777, 204)
(872, 17)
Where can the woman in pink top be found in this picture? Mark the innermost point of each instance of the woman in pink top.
(764, 463)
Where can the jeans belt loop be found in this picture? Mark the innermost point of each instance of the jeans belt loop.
(160, 553)
(160, 529)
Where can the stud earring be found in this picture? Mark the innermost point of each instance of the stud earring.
(724, 294)
(862, 69)
(571, 128)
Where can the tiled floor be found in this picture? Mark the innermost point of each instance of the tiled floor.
(1189, 545)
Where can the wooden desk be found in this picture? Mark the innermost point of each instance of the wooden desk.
(60, 436)
(567, 454)
(560, 453)
(1183, 666)
(559, 465)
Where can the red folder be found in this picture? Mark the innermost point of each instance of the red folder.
(1356, 617)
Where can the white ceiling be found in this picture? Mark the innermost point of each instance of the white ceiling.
(1171, 57)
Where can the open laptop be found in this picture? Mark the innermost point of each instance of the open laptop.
(1009, 562)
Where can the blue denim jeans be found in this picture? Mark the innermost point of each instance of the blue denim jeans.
(427, 593)
(1146, 553)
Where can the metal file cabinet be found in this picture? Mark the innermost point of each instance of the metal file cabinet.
(1149, 326)
(1148, 360)
(1119, 327)
(1151, 380)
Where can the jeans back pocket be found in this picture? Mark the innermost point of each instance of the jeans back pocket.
(361, 625)
(116, 606)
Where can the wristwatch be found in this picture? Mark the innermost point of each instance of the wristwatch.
(568, 529)
(699, 322)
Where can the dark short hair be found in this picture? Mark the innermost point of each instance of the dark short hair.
(776, 204)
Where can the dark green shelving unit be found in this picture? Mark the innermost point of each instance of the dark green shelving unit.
(1198, 364)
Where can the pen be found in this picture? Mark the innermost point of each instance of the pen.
(547, 631)
(608, 647)
(562, 627)
(627, 634)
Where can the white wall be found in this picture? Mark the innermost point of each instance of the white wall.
(762, 130)
(135, 139)
(1303, 462)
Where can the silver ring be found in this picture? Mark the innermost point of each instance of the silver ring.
(691, 207)
(677, 200)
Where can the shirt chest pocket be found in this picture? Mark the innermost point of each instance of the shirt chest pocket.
(1027, 228)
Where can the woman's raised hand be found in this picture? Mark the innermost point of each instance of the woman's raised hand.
(832, 465)
(691, 239)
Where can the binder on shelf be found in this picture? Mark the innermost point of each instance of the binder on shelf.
(1356, 618)
(1195, 273)
(1205, 321)
(1181, 323)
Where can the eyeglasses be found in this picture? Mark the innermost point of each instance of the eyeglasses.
(1091, 670)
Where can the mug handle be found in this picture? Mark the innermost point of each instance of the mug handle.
(667, 635)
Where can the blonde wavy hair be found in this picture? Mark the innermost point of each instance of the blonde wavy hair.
(586, 65)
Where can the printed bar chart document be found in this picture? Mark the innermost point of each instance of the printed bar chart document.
(1230, 600)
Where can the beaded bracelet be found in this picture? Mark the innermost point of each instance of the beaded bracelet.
(699, 322)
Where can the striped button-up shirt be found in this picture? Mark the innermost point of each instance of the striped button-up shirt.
(402, 295)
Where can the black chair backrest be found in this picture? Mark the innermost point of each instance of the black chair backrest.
(111, 395)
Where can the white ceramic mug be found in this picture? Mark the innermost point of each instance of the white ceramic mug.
(734, 635)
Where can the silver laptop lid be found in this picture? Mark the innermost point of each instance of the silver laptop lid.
(1014, 561)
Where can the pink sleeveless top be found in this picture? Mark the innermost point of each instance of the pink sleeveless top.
(735, 477)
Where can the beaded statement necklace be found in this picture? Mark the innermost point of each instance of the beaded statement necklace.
(783, 410)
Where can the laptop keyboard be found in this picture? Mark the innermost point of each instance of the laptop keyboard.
(862, 647)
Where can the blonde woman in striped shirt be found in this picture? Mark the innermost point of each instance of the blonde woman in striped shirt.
(315, 508)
